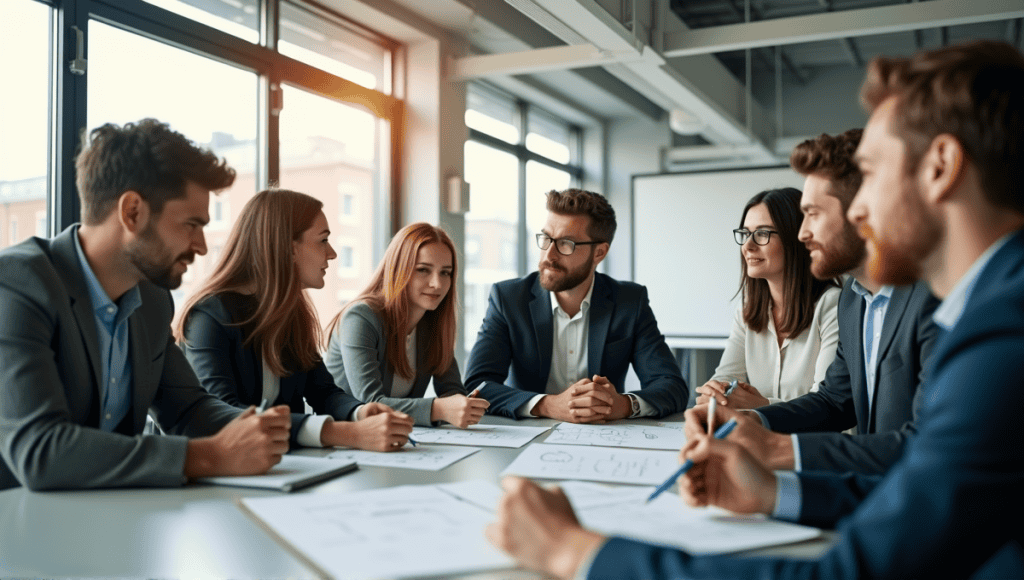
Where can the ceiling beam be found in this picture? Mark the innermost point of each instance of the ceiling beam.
(836, 25)
(536, 61)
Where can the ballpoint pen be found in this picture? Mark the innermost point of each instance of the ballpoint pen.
(263, 406)
(722, 432)
(732, 387)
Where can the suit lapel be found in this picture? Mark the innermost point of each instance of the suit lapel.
(601, 307)
(540, 313)
(893, 315)
(851, 328)
(143, 385)
(65, 258)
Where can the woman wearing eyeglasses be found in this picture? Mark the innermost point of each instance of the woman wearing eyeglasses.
(389, 342)
(785, 332)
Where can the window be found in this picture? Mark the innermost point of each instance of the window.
(327, 146)
(24, 117)
(515, 155)
(178, 92)
(237, 17)
(41, 224)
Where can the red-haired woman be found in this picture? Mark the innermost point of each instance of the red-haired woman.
(251, 333)
(400, 332)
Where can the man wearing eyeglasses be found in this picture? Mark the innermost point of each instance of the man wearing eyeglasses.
(558, 342)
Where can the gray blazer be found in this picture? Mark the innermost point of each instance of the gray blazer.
(357, 358)
(51, 373)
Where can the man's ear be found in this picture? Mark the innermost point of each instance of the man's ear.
(132, 211)
(943, 167)
(600, 253)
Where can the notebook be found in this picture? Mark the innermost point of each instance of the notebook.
(293, 472)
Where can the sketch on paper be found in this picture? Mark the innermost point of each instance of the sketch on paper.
(382, 533)
(479, 435)
(635, 436)
(422, 457)
(631, 466)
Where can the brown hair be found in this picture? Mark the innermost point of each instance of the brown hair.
(259, 256)
(593, 205)
(831, 156)
(972, 91)
(147, 157)
(801, 289)
(387, 297)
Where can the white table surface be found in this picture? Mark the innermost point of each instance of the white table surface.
(197, 531)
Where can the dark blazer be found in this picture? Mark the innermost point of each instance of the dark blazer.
(511, 359)
(214, 344)
(51, 371)
(357, 358)
(841, 402)
(951, 506)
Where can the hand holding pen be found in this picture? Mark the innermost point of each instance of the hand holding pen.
(722, 432)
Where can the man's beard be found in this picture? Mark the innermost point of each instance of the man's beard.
(844, 255)
(147, 254)
(570, 280)
(897, 258)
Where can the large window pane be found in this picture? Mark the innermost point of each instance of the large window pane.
(329, 151)
(335, 49)
(209, 102)
(548, 136)
(492, 114)
(492, 229)
(540, 179)
(237, 17)
(24, 58)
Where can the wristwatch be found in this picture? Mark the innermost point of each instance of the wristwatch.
(634, 406)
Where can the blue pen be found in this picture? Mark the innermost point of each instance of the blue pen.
(720, 434)
(732, 387)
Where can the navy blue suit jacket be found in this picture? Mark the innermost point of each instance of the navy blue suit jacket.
(230, 369)
(841, 401)
(950, 507)
(511, 359)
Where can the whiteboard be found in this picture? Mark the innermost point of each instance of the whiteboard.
(683, 248)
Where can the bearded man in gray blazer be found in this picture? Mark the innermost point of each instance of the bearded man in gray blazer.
(85, 339)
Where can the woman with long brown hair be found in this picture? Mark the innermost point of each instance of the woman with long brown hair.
(251, 333)
(399, 333)
(786, 329)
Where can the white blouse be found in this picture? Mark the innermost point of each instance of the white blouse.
(786, 372)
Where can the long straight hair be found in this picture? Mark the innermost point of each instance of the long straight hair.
(800, 289)
(258, 259)
(387, 297)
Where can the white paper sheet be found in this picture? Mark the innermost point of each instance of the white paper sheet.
(631, 466)
(479, 492)
(636, 436)
(383, 533)
(667, 520)
(422, 457)
(479, 435)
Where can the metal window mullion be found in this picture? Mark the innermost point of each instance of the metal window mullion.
(522, 123)
(67, 118)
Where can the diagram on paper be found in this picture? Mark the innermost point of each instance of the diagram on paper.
(631, 466)
(391, 532)
(635, 436)
(479, 435)
(423, 457)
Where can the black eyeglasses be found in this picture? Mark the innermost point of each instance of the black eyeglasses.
(761, 236)
(564, 246)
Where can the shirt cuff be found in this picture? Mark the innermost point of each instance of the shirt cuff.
(646, 410)
(309, 433)
(526, 409)
(354, 415)
(788, 496)
(764, 420)
(797, 464)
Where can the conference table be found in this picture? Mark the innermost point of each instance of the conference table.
(198, 531)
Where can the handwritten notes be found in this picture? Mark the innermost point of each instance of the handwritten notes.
(633, 466)
(422, 457)
(637, 436)
(479, 435)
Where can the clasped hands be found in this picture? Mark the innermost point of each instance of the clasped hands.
(590, 400)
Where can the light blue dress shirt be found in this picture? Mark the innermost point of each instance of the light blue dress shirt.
(112, 325)
(788, 496)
